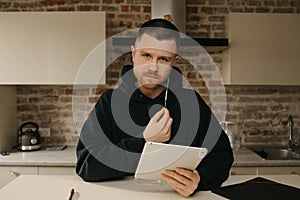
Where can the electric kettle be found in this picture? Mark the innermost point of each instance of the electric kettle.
(29, 137)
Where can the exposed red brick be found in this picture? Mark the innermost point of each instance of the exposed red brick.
(54, 2)
(212, 83)
(193, 18)
(191, 75)
(129, 24)
(109, 8)
(205, 98)
(125, 16)
(147, 17)
(93, 99)
(66, 8)
(88, 7)
(138, 24)
(125, 8)
(147, 9)
(191, 9)
(135, 8)
(107, 1)
(111, 15)
(69, 91)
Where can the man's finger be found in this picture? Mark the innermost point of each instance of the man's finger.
(185, 172)
(159, 115)
(177, 177)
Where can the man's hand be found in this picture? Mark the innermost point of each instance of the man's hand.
(184, 181)
(159, 127)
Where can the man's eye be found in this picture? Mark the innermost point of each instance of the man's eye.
(146, 55)
(164, 59)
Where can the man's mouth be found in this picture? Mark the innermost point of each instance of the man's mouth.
(152, 76)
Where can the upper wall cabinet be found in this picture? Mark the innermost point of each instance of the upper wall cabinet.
(48, 47)
(264, 49)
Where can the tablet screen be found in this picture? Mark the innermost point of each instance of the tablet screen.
(157, 157)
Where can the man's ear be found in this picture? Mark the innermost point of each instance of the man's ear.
(176, 59)
(132, 53)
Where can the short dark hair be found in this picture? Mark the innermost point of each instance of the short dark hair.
(160, 29)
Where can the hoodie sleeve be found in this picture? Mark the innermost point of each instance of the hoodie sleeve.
(215, 166)
(102, 152)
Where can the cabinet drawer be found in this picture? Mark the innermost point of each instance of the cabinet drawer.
(56, 171)
(9, 173)
(278, 170)
(243, 171)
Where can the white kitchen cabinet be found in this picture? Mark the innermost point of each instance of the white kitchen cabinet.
(272, 170)
(9, 173)
(263, 49)
(43, 170)
(50, 47)
(278, 170)
(243, 171)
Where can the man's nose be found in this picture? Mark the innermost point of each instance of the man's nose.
(153, 66)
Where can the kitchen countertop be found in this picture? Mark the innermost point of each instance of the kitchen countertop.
(64, 158)
(244, 157)
(58, 187)
(67, 157)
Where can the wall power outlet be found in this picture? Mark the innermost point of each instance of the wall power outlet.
(44, 132)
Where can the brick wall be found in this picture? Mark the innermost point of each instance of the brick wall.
(52, 107)
(261, 111)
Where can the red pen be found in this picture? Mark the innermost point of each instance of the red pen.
(71, 194)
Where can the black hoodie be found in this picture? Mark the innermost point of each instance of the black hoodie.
(111, 139)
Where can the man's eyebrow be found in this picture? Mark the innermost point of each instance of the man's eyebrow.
(143, 51)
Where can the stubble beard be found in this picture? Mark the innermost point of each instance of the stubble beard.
(150, 85)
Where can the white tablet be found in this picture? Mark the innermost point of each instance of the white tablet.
(157, 157)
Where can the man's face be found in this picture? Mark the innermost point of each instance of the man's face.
(153, 61)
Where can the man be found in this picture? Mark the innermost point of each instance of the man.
(150, 104)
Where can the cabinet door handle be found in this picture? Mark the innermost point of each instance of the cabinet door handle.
(12, 172)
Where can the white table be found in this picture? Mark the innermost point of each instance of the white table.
(58, 187)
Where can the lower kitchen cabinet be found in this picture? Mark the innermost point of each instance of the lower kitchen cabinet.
(278, 170)
(56, 170)
(243, 171)
(265, 170)
(9, 173)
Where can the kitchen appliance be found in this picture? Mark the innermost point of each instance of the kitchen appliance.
(29, 137)
(231, 129)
